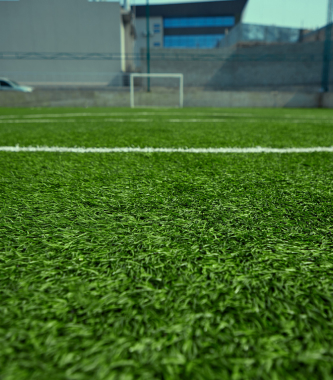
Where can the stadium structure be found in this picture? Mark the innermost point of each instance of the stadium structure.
(80, 41)
(98, 45)
(187, 25)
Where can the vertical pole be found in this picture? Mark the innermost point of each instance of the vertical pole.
(327, 49)
(132, 89)
(148, 46)
(181, 91)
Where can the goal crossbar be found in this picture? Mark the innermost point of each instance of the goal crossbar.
(145, 75)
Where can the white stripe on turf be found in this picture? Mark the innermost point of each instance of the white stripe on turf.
(32, 121)
(129, 120)
(257, 149)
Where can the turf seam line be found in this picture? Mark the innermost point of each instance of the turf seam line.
(258, 149)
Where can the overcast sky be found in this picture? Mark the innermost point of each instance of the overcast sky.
(293, 13)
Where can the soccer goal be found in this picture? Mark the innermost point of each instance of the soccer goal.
(158, 90)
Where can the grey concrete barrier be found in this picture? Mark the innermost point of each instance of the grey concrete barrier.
(192, 98)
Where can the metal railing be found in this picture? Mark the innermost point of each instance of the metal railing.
(166, 56)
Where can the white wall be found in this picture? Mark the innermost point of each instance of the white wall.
(60, 26)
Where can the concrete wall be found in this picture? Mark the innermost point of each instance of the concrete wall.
(317, 35)
(59, 26)
(141, 30)
(192, 98)
(273, 67)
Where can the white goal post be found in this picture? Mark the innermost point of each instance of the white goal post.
(179, 76)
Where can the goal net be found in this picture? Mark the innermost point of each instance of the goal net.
(156, 90)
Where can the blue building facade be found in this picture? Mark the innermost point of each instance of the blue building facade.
(189, 25)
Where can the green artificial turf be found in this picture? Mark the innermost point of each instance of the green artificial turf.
(167, 266)
(272, 128)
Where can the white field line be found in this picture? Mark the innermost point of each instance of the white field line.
(22, 121)
(257, 149)
(26, 121)
(129, 120)
(205, 120)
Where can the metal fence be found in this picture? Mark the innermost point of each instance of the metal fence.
(273, 67)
